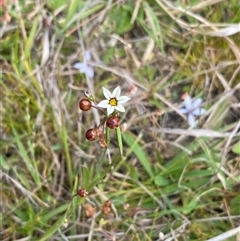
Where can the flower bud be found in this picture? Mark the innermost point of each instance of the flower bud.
(82, 192)
(113, 122)
(88, 94)
(85, 104)
(92, 134)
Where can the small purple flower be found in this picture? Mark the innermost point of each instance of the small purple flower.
(192, 109)
(85, 67)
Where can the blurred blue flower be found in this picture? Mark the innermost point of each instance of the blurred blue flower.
(192, 109)
(85, 67)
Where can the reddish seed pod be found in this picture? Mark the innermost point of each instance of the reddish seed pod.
(92, 134)
(113, 122)
(82, 192)
(85, 104)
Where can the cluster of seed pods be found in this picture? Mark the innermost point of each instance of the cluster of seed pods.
(111, 121)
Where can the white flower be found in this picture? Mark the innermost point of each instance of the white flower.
(192, 109)
(113, 100)
(85, 67)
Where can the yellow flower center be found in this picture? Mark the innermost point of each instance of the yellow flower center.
(113, 102)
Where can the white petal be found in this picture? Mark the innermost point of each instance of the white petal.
(116, 92)
(89, 71)
(120, 108)
(103, 104)
(110, 109)
(199, 111)
(191, 120)
(79, 65)
(183, 110)
(87, 56)
(123, 99)
(107, 93)
(196, 103)
(188, 102)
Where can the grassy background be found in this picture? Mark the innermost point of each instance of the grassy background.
(174, 181)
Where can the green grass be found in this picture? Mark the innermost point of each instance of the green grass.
(161, 176)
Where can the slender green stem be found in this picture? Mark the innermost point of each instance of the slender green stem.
(119, 138)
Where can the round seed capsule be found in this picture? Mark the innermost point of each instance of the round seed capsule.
(85, 104)
(92, 134)
(113, 122)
